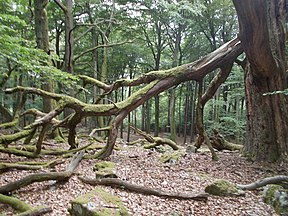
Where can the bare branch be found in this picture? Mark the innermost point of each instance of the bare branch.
(62, 6)
(98, 47)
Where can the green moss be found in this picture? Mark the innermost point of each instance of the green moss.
(105, 169)
(8, 138)
(88, 205)
(276, 196)
(170, 157)
(15, 203)
(223, 187)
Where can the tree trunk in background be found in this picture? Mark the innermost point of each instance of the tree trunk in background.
(262, 34)
(172, 104)
(193, 112)
(157, 115)
(147, 116)
(186, 111)
(67, 9)
(42, 40)
(104, 77)
(172, 115)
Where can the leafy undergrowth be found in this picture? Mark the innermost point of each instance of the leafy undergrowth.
(143, 167)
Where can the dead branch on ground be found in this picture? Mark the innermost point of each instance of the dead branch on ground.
(39, 177)
(113, 182)
(155, 141)
(279, 179)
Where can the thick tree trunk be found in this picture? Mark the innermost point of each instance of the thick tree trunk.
(262, 33)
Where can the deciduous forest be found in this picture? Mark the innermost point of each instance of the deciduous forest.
(143, 107)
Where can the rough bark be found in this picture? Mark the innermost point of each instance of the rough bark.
(142, 189)
(267, 116)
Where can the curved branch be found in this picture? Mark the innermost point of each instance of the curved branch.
(113, 182)
(280, 179)
(39, 177)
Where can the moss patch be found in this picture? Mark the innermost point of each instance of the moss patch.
(97, 203)
(223, 187)
(170, 157)
(276, 196)
(105, 169)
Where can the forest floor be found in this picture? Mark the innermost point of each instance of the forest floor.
(142, 167)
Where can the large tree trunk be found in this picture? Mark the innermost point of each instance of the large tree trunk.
(262, 33)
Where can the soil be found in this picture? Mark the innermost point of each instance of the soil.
(141, 166)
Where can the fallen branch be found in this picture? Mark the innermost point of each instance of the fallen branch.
(142, 189)
(23, 207)
(17, 152)
(220, 143)
(156, 141)
(280, 179)
(22, 166)
(36, 211)
(39, 177)
(14, 203)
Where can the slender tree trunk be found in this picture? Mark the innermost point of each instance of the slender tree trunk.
(262, 34)
(172, 115)
(193, 113)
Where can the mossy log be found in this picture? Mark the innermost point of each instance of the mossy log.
(156, 141)
(29, 151)
(18, 152)
(56, 152)
(39, 177)
(26, 166)
(113, 182)
(24, 208)
(220, 143)
(15, 203)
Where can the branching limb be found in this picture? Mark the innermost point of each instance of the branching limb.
(113, 182)
(98, 47)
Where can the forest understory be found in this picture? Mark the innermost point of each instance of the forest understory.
(191, 173)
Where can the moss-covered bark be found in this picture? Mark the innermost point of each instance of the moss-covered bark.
(156, 82)
(39, 177)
